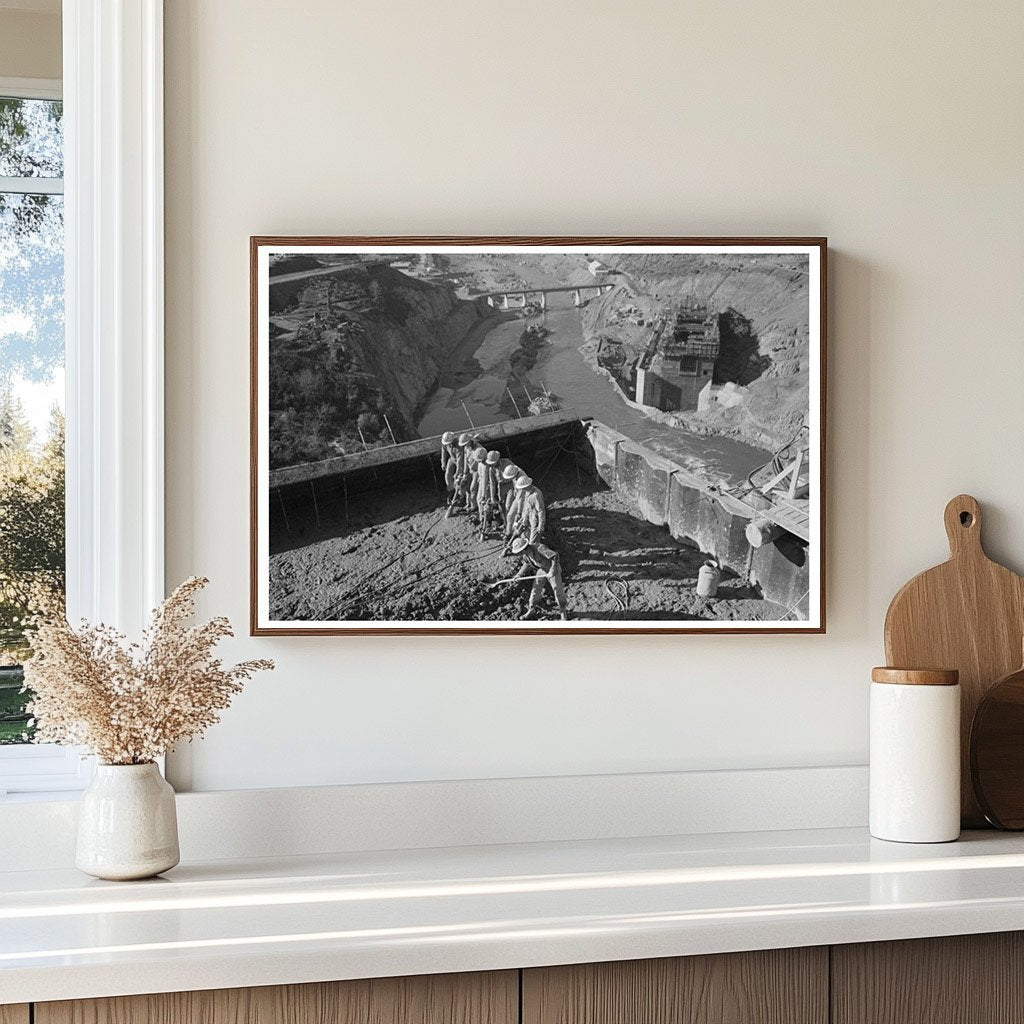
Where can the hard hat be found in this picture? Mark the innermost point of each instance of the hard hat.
(522, 482)
(492, 458)
(480, 454)
(447, 437)
(519, 545)
(465, 439)
(511, 471)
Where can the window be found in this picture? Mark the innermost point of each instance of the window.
(31, 382)
(112, 212)
(32, 531)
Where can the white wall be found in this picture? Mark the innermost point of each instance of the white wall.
(895, 129)
(30, 41)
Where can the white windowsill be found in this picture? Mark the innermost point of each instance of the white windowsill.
(42, 771)
(47, 797)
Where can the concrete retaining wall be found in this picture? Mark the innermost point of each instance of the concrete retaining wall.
(296, 490)
(667, 495)
(508, 435)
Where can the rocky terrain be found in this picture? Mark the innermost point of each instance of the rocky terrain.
(397, 558)
(763, 301)
(353, 357)
(353, 353)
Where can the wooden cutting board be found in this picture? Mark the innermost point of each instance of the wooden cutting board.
(967, 614)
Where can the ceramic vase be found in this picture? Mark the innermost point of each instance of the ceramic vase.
(127, 824)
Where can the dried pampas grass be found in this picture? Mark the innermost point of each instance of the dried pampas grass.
(130, 703)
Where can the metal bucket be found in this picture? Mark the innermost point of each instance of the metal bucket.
(707, 579)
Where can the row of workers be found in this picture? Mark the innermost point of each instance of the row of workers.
(503, 498)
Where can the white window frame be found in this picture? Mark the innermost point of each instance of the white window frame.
(114, 346)
(37, 767)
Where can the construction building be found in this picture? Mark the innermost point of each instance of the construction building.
(679, 360)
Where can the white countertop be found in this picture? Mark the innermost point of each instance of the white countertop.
(357, 915)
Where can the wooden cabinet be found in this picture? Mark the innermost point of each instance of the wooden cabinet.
(962, 979)
(779, 986)
(970, 979)
(491, 998)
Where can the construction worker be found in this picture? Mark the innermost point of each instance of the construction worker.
(540, 563)
(529, 510)
(487, 491)
(480, 481)
(506, 492)
(449, 463)
(475, 456)
(462, 477)
(514, 502)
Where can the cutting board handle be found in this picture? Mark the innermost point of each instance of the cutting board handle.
(963, 527)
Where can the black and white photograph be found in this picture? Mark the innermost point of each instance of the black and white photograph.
(537, 435)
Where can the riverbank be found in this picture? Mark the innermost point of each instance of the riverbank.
(460, 367)
(579, 385)
(746, 434)
(698, 424)
(562, 369)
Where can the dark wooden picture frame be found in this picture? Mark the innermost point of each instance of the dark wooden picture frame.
(813, 453)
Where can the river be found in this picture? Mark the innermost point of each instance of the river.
(578, 388)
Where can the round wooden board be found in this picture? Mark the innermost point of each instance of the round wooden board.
(967, 613)
(997, 753)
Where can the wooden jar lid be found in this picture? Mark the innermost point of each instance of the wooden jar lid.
(916, 676)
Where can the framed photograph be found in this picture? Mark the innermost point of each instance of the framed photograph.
(537, 435)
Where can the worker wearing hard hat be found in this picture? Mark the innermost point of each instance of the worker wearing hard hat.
(467, 492)
(449, 463)
(530, 510)
(476, 455)
(506, 492)
(463, 476)
(487, 490)
(540, 563)
(513, 507)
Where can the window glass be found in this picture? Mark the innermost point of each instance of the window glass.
(31, 138)
(31, 386)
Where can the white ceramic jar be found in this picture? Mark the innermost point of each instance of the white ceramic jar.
(127, 823)
(915, 755)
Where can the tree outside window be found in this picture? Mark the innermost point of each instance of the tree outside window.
(31, 386)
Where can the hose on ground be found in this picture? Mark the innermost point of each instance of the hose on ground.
(618, 591)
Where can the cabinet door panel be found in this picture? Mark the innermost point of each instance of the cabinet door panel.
(779, 986)
(484, 998)
(14, 1014)
(960, 979)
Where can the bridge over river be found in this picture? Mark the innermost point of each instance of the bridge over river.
(505, 299)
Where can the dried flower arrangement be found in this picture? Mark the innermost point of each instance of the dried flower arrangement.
(130, 703)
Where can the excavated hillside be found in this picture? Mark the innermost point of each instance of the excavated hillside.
(354, 355)
(355, 352)
(763, 303)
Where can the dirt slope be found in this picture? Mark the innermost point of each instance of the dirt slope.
(397, 558)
